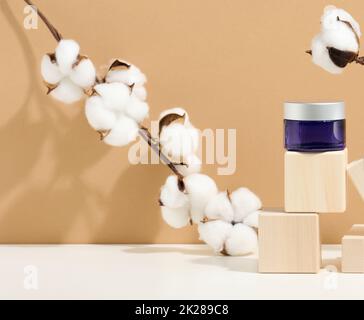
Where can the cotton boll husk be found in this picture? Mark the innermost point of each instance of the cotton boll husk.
(67, 92)
(178, 142)
(124, 132)
(130, 76)
(215, 233)
(200, 189)
(137, 109)
(220, 207)
(176, 218)
(84, 74)
(50, 71)
(67, 53)
(180, 111)
(115, 95)
(171, 196)
(252, 220)
(244, 202)
(98, 116)
(140, 92)
(242, 240)
(321, 57)
(191, 165)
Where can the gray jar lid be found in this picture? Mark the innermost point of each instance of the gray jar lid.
(312, 111)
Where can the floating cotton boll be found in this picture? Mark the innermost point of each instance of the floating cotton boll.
(125, 73)
(140, 92)
(244, 202)
(176, 218)
(321, 57)
(241, 241)
(67, 92)
(67, 53)
(137, 109)
(192, 164)
(50, 71)
(220, 207)
(200, 189)
(252, 220)
(124, 132)
(84, 74)
(215, 233)
(115, 95)
(171, 195)
(98, 116)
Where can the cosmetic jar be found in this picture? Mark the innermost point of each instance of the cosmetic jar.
(315, 127)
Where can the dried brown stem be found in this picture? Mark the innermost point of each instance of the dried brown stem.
(360, 60)
(49, 25)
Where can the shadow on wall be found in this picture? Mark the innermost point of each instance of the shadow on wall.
(46, 210)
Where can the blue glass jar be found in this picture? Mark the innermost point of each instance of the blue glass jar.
(315, 127)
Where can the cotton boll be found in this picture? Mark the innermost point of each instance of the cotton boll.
(171, 196)
(342, 38)
(98, 116)
(242, 240)
(220, 207)
(137, 109)
(67, 92)
(140, 92)
(215, 233)
(178, 142)
(115, 95)
(124, 132)
(252, 220)
(321, 57)
(129, 76)
(192, 164)
(84, 74)
(200, 189)
(67, 54)
(244, 202)
(176, 218)
(50, 71)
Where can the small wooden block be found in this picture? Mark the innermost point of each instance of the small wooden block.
(353, 250)
(289, 243)
(356, 173)
(315, 182)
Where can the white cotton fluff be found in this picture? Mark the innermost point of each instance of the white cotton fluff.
(200, 189)
(219, 207)
(124, 132)
(178, 142)
(67, 92)
(252, 220)
(215, 234)
(99, 117)
(192, 164)
(242, 240)
(171, 196)
(130, 76)
(140, 92)
(50, 71)
(67, 53)
(321, 57)
(176, 218)
(244, 202)
(137, 109)
(84, 74)
(115, 95)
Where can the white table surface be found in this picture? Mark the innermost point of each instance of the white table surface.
(159, 272)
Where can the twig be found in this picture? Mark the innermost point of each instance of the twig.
(360, 60)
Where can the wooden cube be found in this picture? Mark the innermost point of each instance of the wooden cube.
(289, 243)
(353, 251)
(356, 173)
(315, 182)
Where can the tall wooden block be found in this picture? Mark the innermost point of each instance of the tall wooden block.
(356, 173)
(353, 251)
(315, 182)
(289, 243)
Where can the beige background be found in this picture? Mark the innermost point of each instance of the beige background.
(230, 63)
